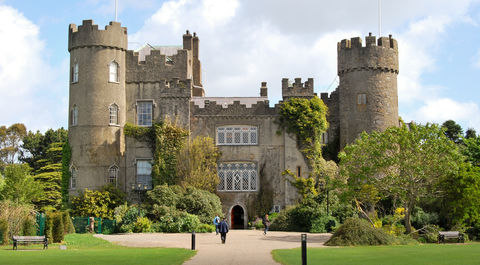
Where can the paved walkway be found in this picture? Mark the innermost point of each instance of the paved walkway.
(242, 246)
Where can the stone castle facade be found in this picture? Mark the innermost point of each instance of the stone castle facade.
(111, 85)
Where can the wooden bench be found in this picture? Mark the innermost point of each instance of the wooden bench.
(442, 235)
(30, 239)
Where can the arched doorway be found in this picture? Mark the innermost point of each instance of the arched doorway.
(237, 217)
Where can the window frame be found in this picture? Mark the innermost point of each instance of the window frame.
(115, 123)
(115, 73)
(74, 73)
(74, 115)
(236, 172)
(72, 183)
(138, 108)
(227, 135)
(115, 169)
(149, 181)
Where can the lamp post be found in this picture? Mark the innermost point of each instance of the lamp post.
(139, 188)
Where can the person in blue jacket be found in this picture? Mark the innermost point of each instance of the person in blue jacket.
(223, 228)
(216, 222)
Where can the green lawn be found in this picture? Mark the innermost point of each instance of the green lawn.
(443, 254)
(84, 249)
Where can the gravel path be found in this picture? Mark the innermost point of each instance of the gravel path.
(242, 246)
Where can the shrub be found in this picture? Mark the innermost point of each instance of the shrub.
(57, 229)
(143, 224)
(67, 223)
(205, 228)
(4, 231)
(16, 215)
(29, 227)
(97, 203)
(130, 217)
(323, 224)
(258, 224)
(281, 223)
(359, 232)
(49, 226)
(201, 203)
(429, 234)
(301, 216)
(175, 221)
(421, 218)
(164, 195)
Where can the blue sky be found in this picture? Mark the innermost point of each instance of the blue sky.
(246, 42)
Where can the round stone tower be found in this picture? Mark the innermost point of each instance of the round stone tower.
(368, 86)
(97, 104)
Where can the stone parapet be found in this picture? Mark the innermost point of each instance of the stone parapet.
(88, 35)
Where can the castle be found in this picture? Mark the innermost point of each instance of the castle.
(111, 85)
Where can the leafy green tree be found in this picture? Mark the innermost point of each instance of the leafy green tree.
(197, 164)
(96, 204)
(461, 203)
(50, 175)
(35, 147)
(20, 186)
(453, 131)
(10, 138)
(403, 162)
(470, 133)
(472, 150)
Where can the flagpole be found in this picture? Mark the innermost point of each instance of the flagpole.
(379, 18)
(116, 10)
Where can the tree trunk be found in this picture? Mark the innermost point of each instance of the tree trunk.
(408, 225)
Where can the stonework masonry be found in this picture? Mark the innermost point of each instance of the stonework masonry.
(171, 86)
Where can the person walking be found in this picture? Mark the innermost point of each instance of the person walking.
(223, 229)
(266, 224)
(216, 222)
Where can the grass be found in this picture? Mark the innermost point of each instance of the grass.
(84, 249)
(443, 254)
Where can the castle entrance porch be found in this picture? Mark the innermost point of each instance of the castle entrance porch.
(237, 216)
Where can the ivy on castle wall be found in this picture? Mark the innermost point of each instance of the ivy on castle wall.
(166, 140)
(66, 157)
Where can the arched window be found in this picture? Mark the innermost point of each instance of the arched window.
(74, 115)
(113, 175)
(113, 109)
(73, 178)
(75, 73)
(237, 176)
(113, 69)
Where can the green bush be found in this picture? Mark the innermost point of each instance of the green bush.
(57, 229)
(258, 224)
(175, 221)
(97, 203)
(205, 228)
(164, 195)
(129, 218)
(281, 223)
(4, 231)
(67, 223)
(430, 234)
(29, 227)
(298, 218)
(421, 218)
(49, 226)
(359, 232)
(143, 224)
(201, 203)
(323, 224)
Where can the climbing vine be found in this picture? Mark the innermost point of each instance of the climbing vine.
(166, 140)
(66, 157)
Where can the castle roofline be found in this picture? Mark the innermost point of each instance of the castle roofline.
(225, 101)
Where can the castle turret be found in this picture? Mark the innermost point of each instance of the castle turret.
(297, 89)
(368, 94)
(97, 103)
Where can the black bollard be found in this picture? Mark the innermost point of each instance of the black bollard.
(304, 249)
(193, 240)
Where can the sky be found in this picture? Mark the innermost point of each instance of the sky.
(243, 43)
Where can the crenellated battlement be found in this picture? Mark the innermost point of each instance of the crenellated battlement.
(211, 108)
(88, 35)
(297, 89)
(157, 66)
(370, 41)
(376, 55)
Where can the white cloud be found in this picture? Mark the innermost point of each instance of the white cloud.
(29, 86)
(442, 109)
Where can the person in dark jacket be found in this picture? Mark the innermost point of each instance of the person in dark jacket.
(223, 229)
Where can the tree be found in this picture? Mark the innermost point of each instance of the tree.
(36, 145)
(472, 150)
(461, 203)
(20, 186)
(10, 138)
(197, 164)
(50, 175)
(470, 133)
(403, 162)
(453, 131)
